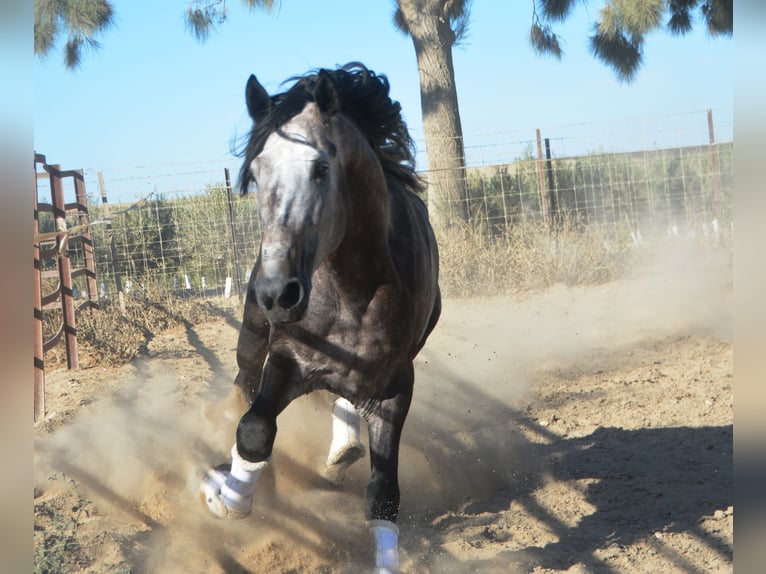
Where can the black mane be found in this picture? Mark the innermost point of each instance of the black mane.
(363, 98)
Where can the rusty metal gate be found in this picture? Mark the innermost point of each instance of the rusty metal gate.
(57, 245)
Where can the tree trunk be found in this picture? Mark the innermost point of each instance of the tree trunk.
(433, 38)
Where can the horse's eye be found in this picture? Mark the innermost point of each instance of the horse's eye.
(319, 170)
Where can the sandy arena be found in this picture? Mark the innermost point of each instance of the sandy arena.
(581, 430)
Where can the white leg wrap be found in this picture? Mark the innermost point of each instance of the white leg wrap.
(230, 494)
(238, 490)
(346, 447)
(386, 535)
(345, 433)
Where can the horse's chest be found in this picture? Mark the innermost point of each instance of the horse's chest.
(352, 352)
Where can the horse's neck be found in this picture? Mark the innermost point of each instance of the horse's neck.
(363, 257)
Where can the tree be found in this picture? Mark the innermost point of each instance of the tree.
(435, 26)
(80, 20)
(203, 15)
(618, 35)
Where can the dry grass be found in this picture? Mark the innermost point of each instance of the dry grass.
(109, 337)
(527, 257)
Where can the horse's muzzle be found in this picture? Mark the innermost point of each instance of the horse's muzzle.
(283, 301)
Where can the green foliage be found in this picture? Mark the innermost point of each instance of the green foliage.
(650, 191)
(56, 546)
(619, 32)
(719, 16)
(80, 20)
(614, 48)
(557, 9)
(170, 239)
(544, 41)
(202, 16)
(542, 37)
(638, 18)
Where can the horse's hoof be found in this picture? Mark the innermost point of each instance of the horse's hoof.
(210, 490)
(335, 470)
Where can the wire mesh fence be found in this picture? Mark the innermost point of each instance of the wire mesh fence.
(200, 240)
(645, 195)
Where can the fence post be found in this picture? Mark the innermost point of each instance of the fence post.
(112, 245)
(65, 269)
(39, 394)
(552, 191)
(87, 241)
(540, 178)
(238, 281)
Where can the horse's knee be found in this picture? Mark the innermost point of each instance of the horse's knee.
(255, 436)
(381, 501)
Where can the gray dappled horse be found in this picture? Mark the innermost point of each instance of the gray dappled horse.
(345, 288)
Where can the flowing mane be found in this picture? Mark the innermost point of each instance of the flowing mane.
(364, 99)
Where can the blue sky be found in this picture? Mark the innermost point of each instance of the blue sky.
(155, 108)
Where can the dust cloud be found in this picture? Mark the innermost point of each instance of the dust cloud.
(144, 451)
(463, 435)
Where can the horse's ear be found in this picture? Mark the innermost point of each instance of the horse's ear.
(325, 94)
(258, 100)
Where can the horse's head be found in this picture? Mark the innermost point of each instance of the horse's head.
(302, 210)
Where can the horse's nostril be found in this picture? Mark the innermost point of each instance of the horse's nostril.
(290, 296)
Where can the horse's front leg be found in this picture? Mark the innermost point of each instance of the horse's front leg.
(252, 346)
(385, 422)
(229, 492)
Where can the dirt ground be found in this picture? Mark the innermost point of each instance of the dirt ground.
(581, 430)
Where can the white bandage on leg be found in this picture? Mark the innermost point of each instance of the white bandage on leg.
(230, 494)
(345, 433)
(238, 490)
(386, 536)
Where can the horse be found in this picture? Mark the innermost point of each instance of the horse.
(344, 291)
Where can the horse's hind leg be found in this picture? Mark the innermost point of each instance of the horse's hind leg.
(386, 420)
(346, 447)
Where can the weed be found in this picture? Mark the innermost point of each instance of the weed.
(528, 257)
(110, 336)
(56, 546)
